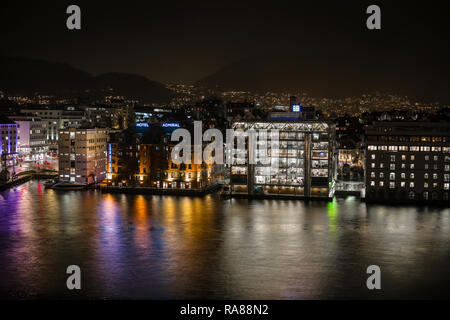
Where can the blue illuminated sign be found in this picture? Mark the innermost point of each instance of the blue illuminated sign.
(142, 125)
(296, 108)
(170, 125)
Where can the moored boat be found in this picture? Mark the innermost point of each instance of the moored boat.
(50, 183)
(68, 186)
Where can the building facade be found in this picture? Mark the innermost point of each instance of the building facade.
(141, 156)
(56, 118)
(8, 138)
(306, 160)
(31, 138)
(83, 155)
(408, 161)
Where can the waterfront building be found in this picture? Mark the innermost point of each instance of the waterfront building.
(82, 154)
(8, 138)
(141, 156)
(408, 161)
(306, 160)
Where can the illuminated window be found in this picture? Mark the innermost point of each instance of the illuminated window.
(402, 184)
(392, 176)
(413, 158)
(372, 183)
(411, 184)
(425, 185)
(425, 176)
(412, 166)
(381, 183)
(391, 185)
(403, 175)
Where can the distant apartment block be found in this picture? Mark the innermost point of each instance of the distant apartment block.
(82, 155)
(408, 161)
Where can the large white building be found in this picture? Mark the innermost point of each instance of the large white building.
(82, 155)
(56, 118)
(306, 159)
(31, 138)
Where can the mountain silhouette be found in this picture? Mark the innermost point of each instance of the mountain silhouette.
(22, 76)
(336, 74)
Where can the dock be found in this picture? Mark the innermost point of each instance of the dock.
(15, 182)
(159, 191)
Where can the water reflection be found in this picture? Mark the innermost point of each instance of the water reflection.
(145, 247)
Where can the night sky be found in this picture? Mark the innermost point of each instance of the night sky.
(185, 41)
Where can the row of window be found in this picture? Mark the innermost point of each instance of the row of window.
(392, 166)
(392, 185)
(410, 148)
(411, 176)
(409, 139)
